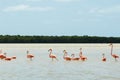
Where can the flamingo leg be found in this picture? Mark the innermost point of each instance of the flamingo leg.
(52, 59)
(30, 59)
(56, 59)
(115, 59)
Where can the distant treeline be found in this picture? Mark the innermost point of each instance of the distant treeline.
(57, 39)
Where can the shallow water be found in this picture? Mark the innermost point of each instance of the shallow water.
(43, 68)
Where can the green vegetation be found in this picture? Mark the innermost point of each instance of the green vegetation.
(57, 39)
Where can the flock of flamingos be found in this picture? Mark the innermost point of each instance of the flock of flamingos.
(66, 57)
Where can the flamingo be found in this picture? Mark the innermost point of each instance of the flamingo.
(65, 56)
(74, 58)
(113, 55)
(83, 58)
(103, 59)
(29, 56)
(8, 58)
(52, 55)
(2, 56)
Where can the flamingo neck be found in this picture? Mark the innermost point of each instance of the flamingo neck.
(111, 49)
(73, 55)
(80, 53)
(103, 56)
(64, 54)
(5, 54)
(27, 52)
(50, 53)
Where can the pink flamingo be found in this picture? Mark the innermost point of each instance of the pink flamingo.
(83, 58)
(65, 56)
(113, 55)
(103, 59)
(2, 56)
(52, 55)
(8, 58)
(74, 58)
(30, 56)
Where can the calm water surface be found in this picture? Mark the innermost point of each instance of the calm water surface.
(43, 68)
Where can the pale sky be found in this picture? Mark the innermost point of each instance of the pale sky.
(60, 17)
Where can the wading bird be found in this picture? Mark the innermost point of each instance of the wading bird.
(29, 56)
(103, 59)
(2, 55)
(83, 58)
(7, 58)
(65, 56)
(74, 58)
(51, 55)
(113, 55)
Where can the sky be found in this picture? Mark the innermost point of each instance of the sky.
(60, 17)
